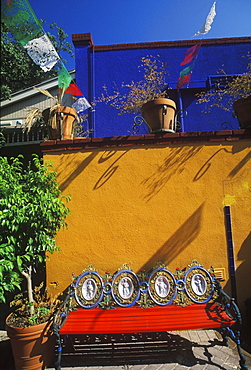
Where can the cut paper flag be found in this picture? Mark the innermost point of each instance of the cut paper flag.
(64, 78)
(81, 105)
(74, 90)
(183, 80)
(208, 22)
(20, 19)
(185, 76)
(191, 53)
(42, 52)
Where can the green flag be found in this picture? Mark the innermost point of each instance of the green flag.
(64, 78)
(20, 19)
(186, 71)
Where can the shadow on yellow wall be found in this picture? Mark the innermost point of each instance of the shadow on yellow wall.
(110, 170)
(179, 241)
(240, 165)
(207, 164)
(77, 169)
(233, 172)
(173, 164)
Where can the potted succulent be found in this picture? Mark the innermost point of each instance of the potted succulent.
(147, 96)
(58, 119)
(232, 94)
(32, 210)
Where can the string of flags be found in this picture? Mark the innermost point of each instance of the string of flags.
(192, 53)
(186, 73)
(22, 22)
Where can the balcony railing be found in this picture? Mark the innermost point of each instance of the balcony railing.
(16, 136)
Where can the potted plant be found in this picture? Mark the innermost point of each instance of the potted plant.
(58, 119)
(31, 334)
(232, 93)
(32, 210)
(147, 96)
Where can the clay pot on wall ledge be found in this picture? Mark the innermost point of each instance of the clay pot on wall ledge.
(65, 116)
(33, 347)
(242, 109)
(160, 114)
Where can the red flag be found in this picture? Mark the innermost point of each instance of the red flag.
(74, 90)
(183, 80)
(191, 53)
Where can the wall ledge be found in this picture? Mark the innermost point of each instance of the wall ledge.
(84, 39)
(141, 140)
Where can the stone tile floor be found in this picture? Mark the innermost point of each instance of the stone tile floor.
(178, 350)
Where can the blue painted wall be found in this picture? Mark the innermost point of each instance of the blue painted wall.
(109, 65)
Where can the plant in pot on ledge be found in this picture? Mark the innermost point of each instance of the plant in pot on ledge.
(58, 119)
(32, 210)
(232, 94)
(147, 96)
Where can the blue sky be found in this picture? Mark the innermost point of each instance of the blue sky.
(129, 21)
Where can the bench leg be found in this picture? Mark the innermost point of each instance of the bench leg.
(235, 336)
(58, 361)
(58, 343)
(224, 335)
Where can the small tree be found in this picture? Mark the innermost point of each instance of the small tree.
(32, 210)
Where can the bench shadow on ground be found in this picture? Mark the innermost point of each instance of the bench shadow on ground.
(136, 349)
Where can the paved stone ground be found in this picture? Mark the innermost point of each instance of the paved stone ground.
(177, 350)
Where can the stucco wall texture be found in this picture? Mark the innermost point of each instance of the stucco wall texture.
(141, 204)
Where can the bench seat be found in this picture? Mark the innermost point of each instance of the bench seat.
(139, 320)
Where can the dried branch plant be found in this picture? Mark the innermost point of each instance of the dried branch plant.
(44, 305)
(35, 116)
(227, 90)
(153, 85)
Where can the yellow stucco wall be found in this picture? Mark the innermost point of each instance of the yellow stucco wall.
(143, 204)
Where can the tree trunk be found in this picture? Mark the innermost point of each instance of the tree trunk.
(27, 275)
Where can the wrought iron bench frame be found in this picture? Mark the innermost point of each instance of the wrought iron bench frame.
(98, 304)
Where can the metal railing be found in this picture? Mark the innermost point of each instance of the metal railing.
(16, 136)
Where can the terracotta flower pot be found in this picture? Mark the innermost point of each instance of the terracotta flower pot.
(65, 116)
(160, 114)
(242, 108)
(33, 347)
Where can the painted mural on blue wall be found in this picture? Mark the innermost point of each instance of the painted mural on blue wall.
(114, 65)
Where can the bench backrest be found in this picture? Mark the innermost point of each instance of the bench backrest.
(191, 285)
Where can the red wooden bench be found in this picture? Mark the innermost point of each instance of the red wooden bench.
(159, 301)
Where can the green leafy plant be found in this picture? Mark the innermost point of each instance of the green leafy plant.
(153, 85)
(32, 211)
(227, 90)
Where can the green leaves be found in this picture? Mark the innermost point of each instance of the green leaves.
(18, 71)
(32, 210)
